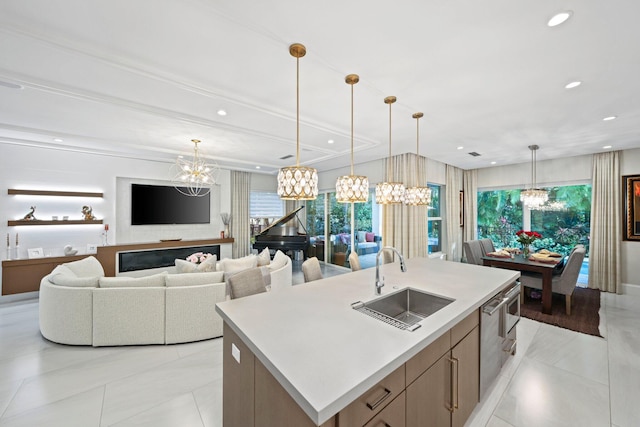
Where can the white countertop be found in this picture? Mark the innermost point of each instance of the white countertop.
(325, 354)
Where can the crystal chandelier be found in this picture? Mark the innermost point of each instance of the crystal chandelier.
(533, 197)
(194, 177)
(297, 182)
(388, 193)
(352, 188)
(417, 196)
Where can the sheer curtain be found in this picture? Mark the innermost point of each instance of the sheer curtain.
(606, 231)
(470, 185)
(453, 186)
(405, 227)
(240, 227)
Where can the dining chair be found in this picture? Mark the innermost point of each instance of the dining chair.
(487, 246)
(311, 270)
(473, 251)
(246, 282)
(563, 284)
(354, 261)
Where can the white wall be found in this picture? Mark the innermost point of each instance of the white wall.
(25, 167)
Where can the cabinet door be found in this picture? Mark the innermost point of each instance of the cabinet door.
(466, 356)
(429, 397)
(391, 416)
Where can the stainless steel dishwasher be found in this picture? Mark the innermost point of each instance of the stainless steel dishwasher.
(498, 333)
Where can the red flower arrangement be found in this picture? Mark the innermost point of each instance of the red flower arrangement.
(528, 237)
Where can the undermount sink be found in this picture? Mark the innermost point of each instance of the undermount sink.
(403, 309)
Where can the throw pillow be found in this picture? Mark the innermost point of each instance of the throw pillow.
(189, 279)
(154, 281)
(86, 267)
(208, 265)
(229, 265)
(264, 257)
(75, 282)
(183, 266)
(370, 237)
(279, 261)
(362, 236)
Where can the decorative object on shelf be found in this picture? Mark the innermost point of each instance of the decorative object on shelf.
(8, 247)
(533, 197)
(87, 212)
(297, 182)
(69, 250)
(352, 188)
(226, 220)
(30, 216)
(417, 196)
(389, 192)
(35, 253)
(105, 235)
(526, 238)
(54, 217)
(194, 177)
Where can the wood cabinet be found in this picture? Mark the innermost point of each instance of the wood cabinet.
(438, 387)
(24, 275)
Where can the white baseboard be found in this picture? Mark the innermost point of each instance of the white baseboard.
(630, 289)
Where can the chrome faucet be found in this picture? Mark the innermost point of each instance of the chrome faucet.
(379, 284)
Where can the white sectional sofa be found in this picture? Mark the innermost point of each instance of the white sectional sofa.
(79, 306)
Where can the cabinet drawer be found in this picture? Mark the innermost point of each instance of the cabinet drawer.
(427, 357)
(392, 416)
(373, 400)
(465, 326)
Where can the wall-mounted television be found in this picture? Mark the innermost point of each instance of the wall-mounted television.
(158, 204)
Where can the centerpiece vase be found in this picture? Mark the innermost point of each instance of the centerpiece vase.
(526, 250)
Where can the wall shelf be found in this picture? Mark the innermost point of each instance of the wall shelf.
(13, 191)
(63, 222)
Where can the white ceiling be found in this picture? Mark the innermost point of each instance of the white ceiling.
(142, 78)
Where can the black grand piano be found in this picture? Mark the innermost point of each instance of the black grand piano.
(283, 235)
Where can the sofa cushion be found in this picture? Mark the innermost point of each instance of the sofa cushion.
(370, 237)
(86, 267)
(154, 281)
(229, 265)
(279, 261)
(361, 236)
(264, 257)
(73, 281)
(183, 266)
(193, 279)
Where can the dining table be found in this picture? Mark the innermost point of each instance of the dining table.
(521, 263)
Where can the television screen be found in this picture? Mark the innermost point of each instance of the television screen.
(157, 204)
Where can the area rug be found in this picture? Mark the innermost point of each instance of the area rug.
(584, 311)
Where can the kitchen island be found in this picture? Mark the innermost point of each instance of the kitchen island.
(306, 347)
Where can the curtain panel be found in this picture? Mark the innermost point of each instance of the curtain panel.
(453, 185)
(240, 225)
(405, 227)
(470, 186)
(606, 230)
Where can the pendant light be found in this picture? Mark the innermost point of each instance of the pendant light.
(533, 197)
(297, 182)
(193, 177)
(352, 188)
(417, 196)
(389, 192)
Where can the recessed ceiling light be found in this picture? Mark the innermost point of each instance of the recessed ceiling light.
(573, 84)
(493, 163)
(606, 147)
(330, 141)
(222, 113)
(57, 140)
(257, 167)
(559, 18)
(460, 148)
(606, 119)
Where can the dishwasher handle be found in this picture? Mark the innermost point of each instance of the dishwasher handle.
(490, 310)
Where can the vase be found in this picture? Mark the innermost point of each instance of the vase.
(526, 251)
(226, 231)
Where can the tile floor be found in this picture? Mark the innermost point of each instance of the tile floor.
(557, 378)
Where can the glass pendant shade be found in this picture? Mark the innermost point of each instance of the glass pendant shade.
(352, 188)
(389, 193)
(533, 197)
(417, 196)
(297, 182)
(194, 177)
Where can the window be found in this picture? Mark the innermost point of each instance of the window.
(434, 221)
(264, 208)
